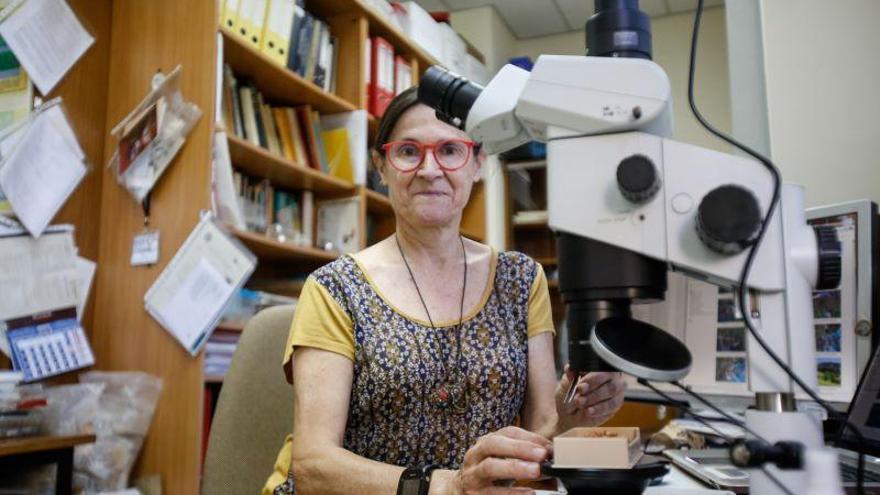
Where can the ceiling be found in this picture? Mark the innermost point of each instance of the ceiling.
(532, 18)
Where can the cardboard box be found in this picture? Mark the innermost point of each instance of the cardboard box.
(454, 49)
(418, 24)
(618, 448)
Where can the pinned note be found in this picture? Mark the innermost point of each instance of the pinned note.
(43, 169)
(47, 39)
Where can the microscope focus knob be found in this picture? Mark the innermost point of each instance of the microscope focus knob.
(729, 219)
(637, 178)
(829, 258)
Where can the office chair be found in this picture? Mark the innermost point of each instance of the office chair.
(254, 412)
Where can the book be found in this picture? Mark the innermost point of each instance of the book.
(304, 114)
(381, 88)
(308, 217)
(338, 154)
(283, 126)
(356, 126)
(299, 14)
(314, 48)
(338, 228)
(319, 142)
(231, 98)
(248, 114)
(272, 143)
(299, 145)
(258, 113)
(323, 57)
(303, 44)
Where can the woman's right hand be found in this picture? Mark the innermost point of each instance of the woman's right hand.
(507, 454)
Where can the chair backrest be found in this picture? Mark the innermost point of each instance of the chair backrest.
(254, 412)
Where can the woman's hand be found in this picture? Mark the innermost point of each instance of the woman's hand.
(598, 397)
(508, 454)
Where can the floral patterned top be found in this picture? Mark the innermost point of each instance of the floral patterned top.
(400, 362)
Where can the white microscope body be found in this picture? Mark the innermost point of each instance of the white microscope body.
(593, 113)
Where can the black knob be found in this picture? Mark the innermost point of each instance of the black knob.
(757, 453)
(637, 178)
(729, 219)
(829, 258)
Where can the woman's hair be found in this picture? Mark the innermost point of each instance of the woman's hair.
(398, 106)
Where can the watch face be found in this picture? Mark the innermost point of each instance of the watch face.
(410, 484)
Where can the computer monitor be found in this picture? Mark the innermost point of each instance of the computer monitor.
(864, 412)
(709, 321)
(846, 317)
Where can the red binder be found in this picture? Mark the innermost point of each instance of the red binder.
(381, 88)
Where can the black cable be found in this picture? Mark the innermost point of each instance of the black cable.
(686, 407)
(743, 280)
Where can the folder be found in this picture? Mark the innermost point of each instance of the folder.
(230, 15)
(402, 75)
(277, 29)
(338, 154)
(251, 17)
(382, 77)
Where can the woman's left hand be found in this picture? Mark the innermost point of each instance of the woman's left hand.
(598, 397)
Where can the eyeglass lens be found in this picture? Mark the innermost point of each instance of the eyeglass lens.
(448, 154)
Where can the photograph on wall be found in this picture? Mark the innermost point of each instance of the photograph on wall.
(828, 338)
(826, 304)
(727, 310)
(731, 339)
(730, 369)
(829, 371)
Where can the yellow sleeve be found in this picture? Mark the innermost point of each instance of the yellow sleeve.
(540, 314)
(318, 321)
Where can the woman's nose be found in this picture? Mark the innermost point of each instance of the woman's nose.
(429, 166)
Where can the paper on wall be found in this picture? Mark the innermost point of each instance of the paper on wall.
(189, 296)
(37, 275)
(47, 39)
(85, 273)
(42, 170)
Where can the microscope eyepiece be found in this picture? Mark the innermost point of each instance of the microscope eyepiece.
(451, 95)
(619, 29)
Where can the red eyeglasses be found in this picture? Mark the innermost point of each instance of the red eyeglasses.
(450, 154)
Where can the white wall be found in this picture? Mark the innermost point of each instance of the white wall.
(671, 41)
(485, 29)
(823, 95)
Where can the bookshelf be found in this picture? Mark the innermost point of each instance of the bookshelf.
(134, 40)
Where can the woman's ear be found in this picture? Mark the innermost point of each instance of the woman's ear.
(379, 165)
(480, 160)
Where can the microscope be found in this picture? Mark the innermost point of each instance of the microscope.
(627, 204)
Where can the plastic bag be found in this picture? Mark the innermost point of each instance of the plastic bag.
(125, 410)
(150, 136)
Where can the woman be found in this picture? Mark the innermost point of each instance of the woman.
(425, 348)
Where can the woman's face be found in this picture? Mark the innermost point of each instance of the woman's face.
(428, 195)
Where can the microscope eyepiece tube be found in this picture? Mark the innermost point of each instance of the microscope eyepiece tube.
(451, 95)
(619, 29)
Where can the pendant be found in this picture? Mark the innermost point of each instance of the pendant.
(450, 396)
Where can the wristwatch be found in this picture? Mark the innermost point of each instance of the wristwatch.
(415, 481)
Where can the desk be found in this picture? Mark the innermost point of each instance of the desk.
(18, 453)
(677, 482)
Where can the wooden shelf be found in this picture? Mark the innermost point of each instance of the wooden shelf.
(276, 82)
(268, 249)
(526, 164)
(379, 26)
(378, 203)
(538, 224)
(259, 161)
(473, 235)
(24, 445)
(230, 327)
(547, 260)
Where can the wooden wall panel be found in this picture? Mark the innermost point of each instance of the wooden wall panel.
(84, 92)
(148, 36)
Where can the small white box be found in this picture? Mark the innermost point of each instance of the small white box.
(418, 24)
(454, 49)
(475, 70)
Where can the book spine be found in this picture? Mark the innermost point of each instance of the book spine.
(258, 112)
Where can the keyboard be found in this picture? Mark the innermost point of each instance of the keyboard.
(848, 473)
